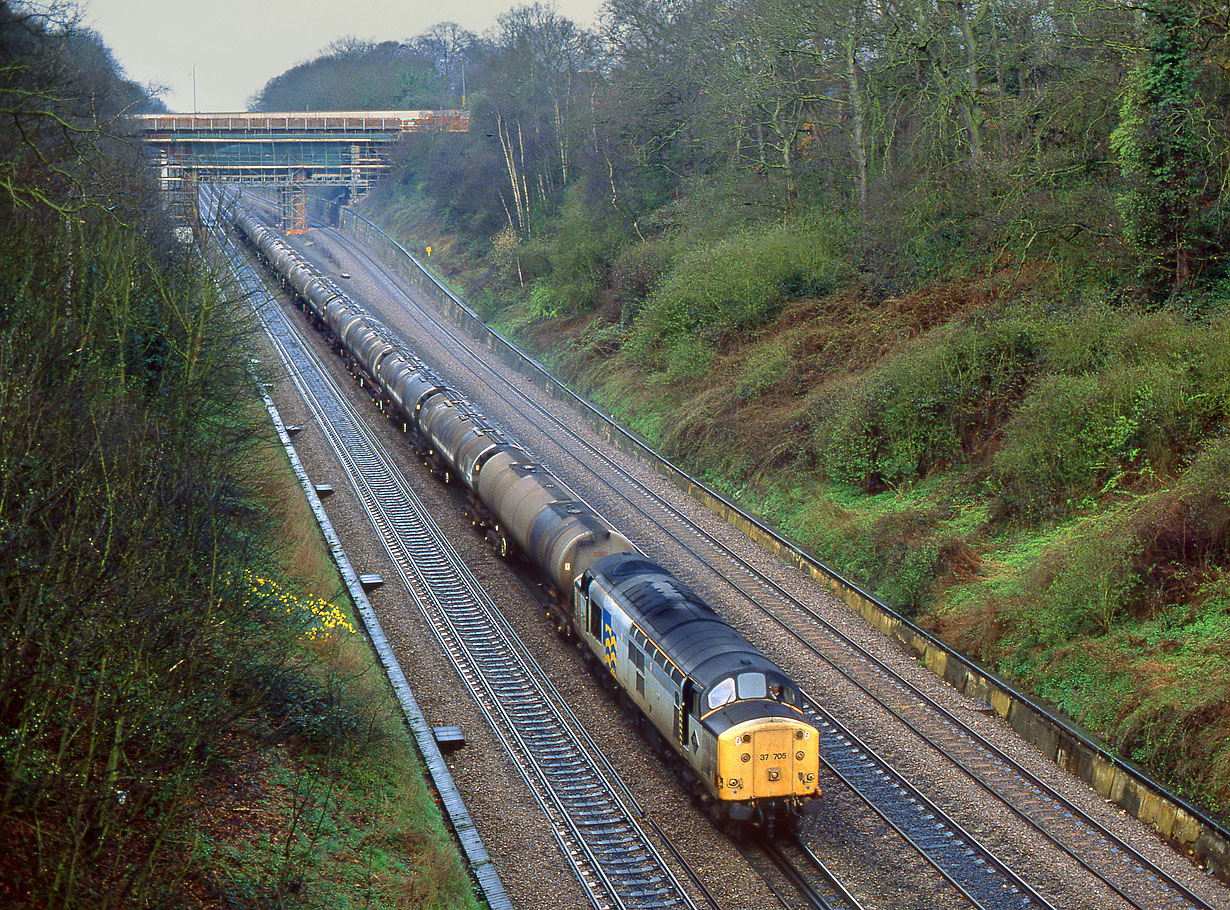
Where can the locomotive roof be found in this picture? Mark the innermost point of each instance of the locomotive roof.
(687, 630)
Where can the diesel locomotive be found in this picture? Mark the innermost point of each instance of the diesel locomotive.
(732, 719)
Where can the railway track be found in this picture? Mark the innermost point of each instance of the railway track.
(593, 817)
(964, 861)
(805, 874)
(1111, 862)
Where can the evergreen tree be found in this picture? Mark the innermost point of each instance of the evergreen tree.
(1165, 163)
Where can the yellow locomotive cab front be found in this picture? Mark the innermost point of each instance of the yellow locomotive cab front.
(772, 758)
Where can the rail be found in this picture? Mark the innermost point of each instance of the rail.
(592, 816)
(452, 805)
(1185, 826)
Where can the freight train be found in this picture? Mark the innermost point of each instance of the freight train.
(730, 719)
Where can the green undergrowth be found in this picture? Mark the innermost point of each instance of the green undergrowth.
(1088, 613)
(1013, 458)
(327, 803)
(336, 831)
(1040, 481)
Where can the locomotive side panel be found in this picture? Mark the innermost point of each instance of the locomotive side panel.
(656, 688)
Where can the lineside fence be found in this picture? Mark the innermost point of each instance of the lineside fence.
(1187, 828)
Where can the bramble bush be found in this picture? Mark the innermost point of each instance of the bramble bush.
(1087, 403)
(927, 407)
(738, 283)
(1124, 402)
(770, 364)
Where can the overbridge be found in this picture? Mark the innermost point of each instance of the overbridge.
(347, 149)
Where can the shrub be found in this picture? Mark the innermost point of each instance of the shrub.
(1085, 584)
(845, 437)
(1076, 437)
(1210, 363)
(1096, 336)
(891, 544)
(636, 272)
(317, 712)
(920, 401)
(770, 364)
(577, 250)
(905, 552)
(1076, 343)
(1184, 532)
(738, 283)
(688, 357)
(929, 406)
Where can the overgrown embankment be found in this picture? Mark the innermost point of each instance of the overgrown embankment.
(1036, 475)
(1043, 485)
(963, 335)
(184, 721)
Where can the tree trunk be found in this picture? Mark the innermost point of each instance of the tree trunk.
(513, 178)
(973, 89)
(857, 142)
(525, 190)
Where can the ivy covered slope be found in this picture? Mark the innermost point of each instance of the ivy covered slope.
(184, 721)
(952, 312)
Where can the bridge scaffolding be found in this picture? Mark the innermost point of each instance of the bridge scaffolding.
(350, 149)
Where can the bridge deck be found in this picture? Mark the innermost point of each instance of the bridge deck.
(328, 123)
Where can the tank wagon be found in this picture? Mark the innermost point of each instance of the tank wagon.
(723, 712)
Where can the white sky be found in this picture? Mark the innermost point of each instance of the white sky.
(239, 45)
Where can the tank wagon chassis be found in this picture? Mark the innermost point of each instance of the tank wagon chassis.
(729, 719)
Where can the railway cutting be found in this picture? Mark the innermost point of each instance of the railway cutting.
(593, 818)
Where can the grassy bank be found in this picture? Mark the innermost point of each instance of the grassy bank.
(328, 804)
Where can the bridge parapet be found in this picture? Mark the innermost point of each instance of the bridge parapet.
(325, 125)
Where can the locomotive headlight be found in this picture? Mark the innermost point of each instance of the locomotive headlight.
(800, 734)
(799, 755)
(774, 774)
(745, 757)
